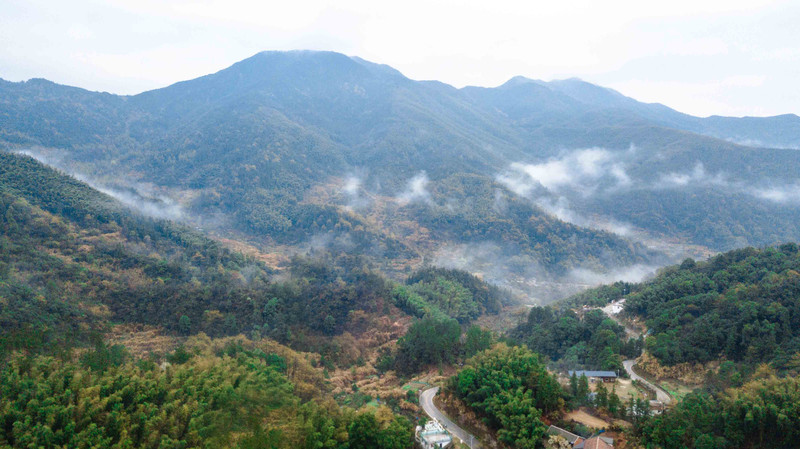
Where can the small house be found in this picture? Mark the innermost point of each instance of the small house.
(594, 376)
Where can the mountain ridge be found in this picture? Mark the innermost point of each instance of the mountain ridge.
(389, 69)
(250, 142)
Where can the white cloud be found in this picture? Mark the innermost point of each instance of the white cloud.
(156, 206)
(783, 195)
(631, 273)
(353, 193)
(618, 172)
(551, 175)
(583, 170)
(351, 185)
(416, 190)
(697, 177)
(137, 196)
(583, 173)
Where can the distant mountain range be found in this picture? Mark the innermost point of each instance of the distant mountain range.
(297, 148)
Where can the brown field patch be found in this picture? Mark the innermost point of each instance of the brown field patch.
(142, 340)
(586, 419)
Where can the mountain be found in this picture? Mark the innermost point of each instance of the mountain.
(306, 148)
(527, 98)
(282, 252)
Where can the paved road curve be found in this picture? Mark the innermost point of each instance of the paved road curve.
(612, 310)
(426, 401)
(661, 395)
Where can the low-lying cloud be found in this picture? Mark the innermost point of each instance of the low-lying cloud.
(765, 190)
(580, 173)
(698, 176)
(137, 196)
(577, 176)
(783, 195)
(504, 265)
(630, 273)
(583, 171)
(152, 205)
(416, 190)
(757, 143)
(354, 194)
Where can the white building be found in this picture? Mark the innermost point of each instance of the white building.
(433, 436)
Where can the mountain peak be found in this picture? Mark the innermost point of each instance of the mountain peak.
(310, 64)
(518, 80)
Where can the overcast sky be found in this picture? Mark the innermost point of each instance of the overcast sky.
(728, 57)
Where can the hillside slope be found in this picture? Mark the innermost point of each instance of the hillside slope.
(741, 306)
(249, 148)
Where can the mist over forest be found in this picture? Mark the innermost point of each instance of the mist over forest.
(292, 251)
(258, 152)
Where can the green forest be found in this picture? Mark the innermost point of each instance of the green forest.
(75, 265)
(304, 296)
(266, 359)
(738, 309)
(442, 292)
(761, 414)
(225, 393)
(511, 387)
(592, 341)
(741, 306)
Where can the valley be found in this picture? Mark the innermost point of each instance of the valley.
(302, 249)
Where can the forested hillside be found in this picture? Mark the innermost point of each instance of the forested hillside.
(384, 222)
(738, 310)
(84, 252)
(591, 341)
(225, 393)
(743, 305)
(81, 274)
(760, 414)
(473, 209)
(247, 149)
(69, 254)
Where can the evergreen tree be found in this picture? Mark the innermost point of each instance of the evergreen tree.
(573, 387)
(601, 395)
(583, 389)
(615, 404)
(185, 325)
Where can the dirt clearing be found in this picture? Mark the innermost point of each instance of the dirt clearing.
(586, 419)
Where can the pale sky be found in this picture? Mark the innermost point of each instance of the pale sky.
(725, 57)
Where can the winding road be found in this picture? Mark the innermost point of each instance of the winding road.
(426, 401)
(612, 310)
(661, 395)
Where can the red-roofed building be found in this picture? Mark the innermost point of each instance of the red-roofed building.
(596, 443)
